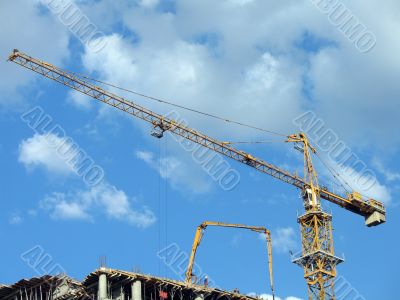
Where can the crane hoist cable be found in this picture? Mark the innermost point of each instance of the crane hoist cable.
(335, 174)
(321, 266)
(339, 177)
(166, 170)
(254, 142)
(159, 203)
(178, 106)
(372, 210)
(330, 169)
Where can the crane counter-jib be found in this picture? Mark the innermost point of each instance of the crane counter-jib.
(373, 211)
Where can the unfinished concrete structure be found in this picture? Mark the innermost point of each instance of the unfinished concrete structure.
(110, 284)
(44, 288)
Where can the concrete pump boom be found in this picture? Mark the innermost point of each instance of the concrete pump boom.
(317, 258)
(199, 235)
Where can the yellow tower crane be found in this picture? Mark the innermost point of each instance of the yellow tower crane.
(199, 235)
(317, 258)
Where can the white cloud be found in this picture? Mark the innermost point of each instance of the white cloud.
(106, 198)
(146, 156)
(191, 76)
(176, 171)
(241, 2)
(389, 174)
(269, 297)
(149, 3)
(235, 65)
(39, 151)
(79, 100)
(365, 183)
(115, 61)
(15, 219)
(284, 239)
(187, 73)
(33, 36)
(32, 212)
(62, 208)
(208, 65)
(364, 84)
(264, 296)
(264, 89)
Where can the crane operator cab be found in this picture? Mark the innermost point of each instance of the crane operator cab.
(309, 198)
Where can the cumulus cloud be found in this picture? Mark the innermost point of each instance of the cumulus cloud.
(15, 219)
(27, 39)
(175, 170)
(242, 2)
(269, 297)
(38, 151)
(187, 73)
(284, 239)
(264, 296)
(365, 90)
(149, 3)
(79, 100)
(238, 34)
(59, 155)
(236, 66)
(106, 198)
(365, 183)
(61, 208)
(208, 64)
(390, 175)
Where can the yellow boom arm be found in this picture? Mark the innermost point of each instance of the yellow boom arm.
(199, 235)
(373, 211)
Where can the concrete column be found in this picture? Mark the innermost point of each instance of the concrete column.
(122, 294)
(199, 297)
(102, 295)
(137, 290)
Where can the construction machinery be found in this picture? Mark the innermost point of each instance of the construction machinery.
(199, 235)
(317, 258)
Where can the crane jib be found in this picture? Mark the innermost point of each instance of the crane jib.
(372, 210)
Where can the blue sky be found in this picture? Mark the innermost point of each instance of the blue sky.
(258, 62)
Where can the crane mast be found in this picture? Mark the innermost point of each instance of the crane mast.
(317, 259)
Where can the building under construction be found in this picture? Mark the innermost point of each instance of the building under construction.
(105, 283)
(317, 257)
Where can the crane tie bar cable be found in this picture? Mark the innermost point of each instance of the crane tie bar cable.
(179, 106)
